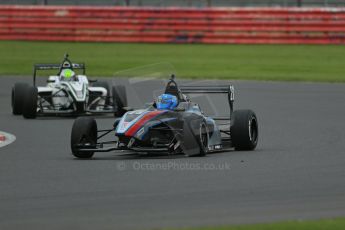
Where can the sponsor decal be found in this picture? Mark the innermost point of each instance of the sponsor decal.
(61, 13)
(124, 125)
(148, 116)
(217, 146)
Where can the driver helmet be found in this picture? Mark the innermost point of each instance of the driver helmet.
(166, 101)
(67, 75)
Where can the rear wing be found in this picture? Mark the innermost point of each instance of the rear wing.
(213, 89)
(66, 63)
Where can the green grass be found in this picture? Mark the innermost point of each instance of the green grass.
(256, 62)
(329, 224)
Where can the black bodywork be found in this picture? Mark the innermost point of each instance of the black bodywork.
(182, 130)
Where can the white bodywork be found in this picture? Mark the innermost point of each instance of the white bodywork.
(66, 93)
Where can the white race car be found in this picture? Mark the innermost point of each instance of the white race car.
(67, 93)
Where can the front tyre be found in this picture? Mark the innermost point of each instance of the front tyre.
(17, 98)
(244, 130)
(30, 102)
(84, 132)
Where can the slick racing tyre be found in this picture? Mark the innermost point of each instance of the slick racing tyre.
(102, 84)
(119, 100)
(17, 98)
(203, 139)
(84, 132)
(30, 102)
(244, 130)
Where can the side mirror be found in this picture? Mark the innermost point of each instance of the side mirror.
(92, 80)
(50, 81)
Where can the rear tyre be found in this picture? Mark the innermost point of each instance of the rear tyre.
(30, 102)
(119, 100)
(203, 139)
(17, 98)
(245, 130)
(105, 85)
(84, 131)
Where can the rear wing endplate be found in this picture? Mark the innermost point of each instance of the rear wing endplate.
(213, 89)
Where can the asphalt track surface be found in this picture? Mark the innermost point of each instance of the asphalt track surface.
(297, 171)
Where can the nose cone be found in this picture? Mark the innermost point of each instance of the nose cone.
(142, 121)
(130, 128)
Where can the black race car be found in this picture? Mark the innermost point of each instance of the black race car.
(182, 130)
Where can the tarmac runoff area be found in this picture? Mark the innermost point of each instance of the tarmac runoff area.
(297, 171)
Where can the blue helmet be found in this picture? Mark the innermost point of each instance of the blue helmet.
(166, 101)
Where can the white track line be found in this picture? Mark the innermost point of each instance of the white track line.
(6, 139)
